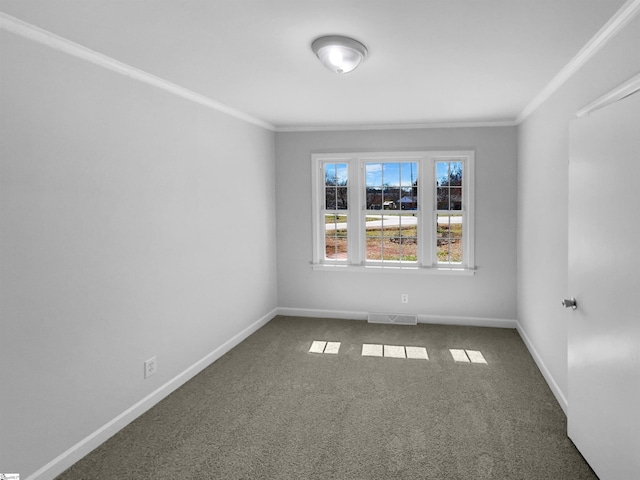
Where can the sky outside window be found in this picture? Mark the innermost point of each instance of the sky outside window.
(393, 174)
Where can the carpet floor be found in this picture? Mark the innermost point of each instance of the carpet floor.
(270, 409)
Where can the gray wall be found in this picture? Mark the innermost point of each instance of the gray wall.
(543, 156)
(490, 294)
(133, 224)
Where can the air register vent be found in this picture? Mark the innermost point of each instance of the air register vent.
(402, 319)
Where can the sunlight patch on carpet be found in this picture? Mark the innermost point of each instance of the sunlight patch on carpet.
(394, 351)
(467, 356)
(418, 353)
(476, 356)
(459, 355)
(320, 346)
(371, 350)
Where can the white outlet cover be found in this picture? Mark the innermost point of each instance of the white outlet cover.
(150, 367)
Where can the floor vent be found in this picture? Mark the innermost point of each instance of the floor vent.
(404, 319)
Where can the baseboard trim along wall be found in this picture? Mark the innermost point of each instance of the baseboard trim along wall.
(553, 385)
(92, 441)
(321, 313)
(436, 319)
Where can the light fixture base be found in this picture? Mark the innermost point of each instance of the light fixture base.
(339, 54)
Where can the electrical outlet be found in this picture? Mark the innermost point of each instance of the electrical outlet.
(150, 367)
(404, 297)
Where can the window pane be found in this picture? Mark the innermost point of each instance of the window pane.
(374, 198)
(373, 180)
(390, 198)
(442, 173)
(391, 186)
(335, 180)
(341, 174)
(335, 239)
(335, 174)
(330, 198)
(448, 174)
(330, 174)
(455, 173)
(409, 174)
(455, 226)
(374, 248)
(374, 239)
(449, 238)
(455, 198)
(391, 252)
(449, 198)
(409, 249)
(341, 198)
(408, 201)
(449, 185)
(443, 250)
(443, 198)
(373, 174)
(408, 238)
(391, 174)
(392, 238)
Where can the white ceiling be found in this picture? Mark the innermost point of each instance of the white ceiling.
(430, 61)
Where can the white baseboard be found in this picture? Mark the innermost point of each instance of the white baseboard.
(321, 313)
(434, 319)
(553, 385)
(92, 441)
(468, 321)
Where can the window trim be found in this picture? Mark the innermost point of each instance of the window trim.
(356, 212)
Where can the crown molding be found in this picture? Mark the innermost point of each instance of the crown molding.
(615, 24)
(396, 126)
(629, 87)
(44, 37)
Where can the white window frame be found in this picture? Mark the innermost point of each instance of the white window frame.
(427, 213)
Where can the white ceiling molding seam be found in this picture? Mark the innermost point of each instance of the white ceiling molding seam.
(44, 37)
(624, 90)
(397, 126)
(610, 29)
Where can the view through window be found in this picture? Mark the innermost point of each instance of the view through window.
(411, 209)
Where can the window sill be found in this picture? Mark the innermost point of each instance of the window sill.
(459, 271)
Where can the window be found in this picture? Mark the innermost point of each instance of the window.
(411, 210)
(336, 193)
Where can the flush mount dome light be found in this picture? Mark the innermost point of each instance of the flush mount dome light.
(339, 54)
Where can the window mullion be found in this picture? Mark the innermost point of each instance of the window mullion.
(426, 193)
(356, 167)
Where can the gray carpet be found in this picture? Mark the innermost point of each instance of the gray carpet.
(268, 409)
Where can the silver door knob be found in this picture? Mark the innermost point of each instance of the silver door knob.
(570, 302)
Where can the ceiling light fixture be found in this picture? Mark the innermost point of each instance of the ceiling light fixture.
(339, 54)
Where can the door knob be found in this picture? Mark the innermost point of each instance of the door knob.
(570, 302)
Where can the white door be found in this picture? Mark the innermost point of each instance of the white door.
(604, 278)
